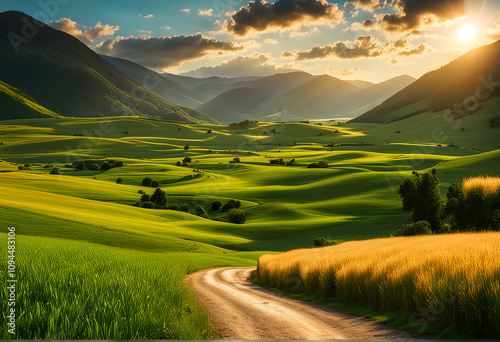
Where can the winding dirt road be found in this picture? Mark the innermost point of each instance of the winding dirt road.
(241, 310)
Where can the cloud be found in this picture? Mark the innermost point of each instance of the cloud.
(256, 64)
(165, 52)
(422, 49)
(166, 27)
(413, 15)
(369, 5)
(494, 32)
(303, 33)
(206, 13)
(260, 16)
(362, 48)
(270, 41)
(145, 31)
(148, 16)
(186, 10)
(344, 72)
(87, 37)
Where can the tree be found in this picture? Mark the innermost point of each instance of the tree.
(421, 196)
(235, 160)
(95, 167)
(228, 206)
(417, 228)
(186, 160)
(55, 171)
(147, 181)
(238, 216)
(200, 211)
(145, 198)
(216, 205)
(318, 165)
(119, 180)
(105, 166)
(209, 131)
(185, 208)
(186, 147)
(155, 184)
(159, 197)
(178, 163)
(118, 163)
(79, 165)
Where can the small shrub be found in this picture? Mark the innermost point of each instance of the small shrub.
(118, 163)
(55, 171)
(147, 181)
(238, 216)
(186, 147)
(27, 165)
(235, 160)
(185, 208)
(216, 205)
(291, 163)
(178, 163)
(200, 211)
(140, 192)
(417, 228)
(228, 206)
(148, 205)
(173, 206)
(119, 180)
(209, 131)
(237, 204)
(322, 242)
(186, 160)
(155, 184)
(20, 167)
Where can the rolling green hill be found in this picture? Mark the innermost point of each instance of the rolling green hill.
(14, 104)
(65, 76)
(448, 86)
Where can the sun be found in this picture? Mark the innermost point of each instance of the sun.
(467, 33)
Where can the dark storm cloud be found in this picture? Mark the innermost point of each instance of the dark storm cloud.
(260, 16)
(165, 51)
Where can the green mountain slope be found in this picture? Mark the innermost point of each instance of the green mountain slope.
(168, 90)
(444, 88)
(14, 104)
(65, 76)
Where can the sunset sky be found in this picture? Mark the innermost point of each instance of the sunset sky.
(371, 40)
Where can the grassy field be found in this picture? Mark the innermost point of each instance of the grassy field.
(287, 207)
(448, 281)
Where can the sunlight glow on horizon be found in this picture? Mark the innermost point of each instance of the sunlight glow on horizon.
(467, 33)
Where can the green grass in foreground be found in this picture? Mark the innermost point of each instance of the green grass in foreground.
(77, 290)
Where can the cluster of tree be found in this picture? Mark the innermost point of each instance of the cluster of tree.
(235, 160)
(185, 162)
(474, 210)
(233, 208)
(242, 123)
(24, 167)
(281, 161)
(158, 200)
(96, 165)
(148, 181)
(322, 242)
(318, 165)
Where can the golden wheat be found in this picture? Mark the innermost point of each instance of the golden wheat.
(489, 185)
(451, 280)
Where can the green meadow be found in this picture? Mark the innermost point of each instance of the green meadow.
(92, 265)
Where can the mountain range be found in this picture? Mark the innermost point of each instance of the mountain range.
(64, 76)
(53, 74)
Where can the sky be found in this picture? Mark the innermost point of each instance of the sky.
(372, 40)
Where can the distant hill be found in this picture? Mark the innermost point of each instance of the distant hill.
(319, 97)
(63, 75)
(168, 90)
(361, 84)
(14, 104)
(443, 88)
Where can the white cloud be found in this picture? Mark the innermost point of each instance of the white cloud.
(206, 13)
(166, 27)
(149, 16)
(87, 37)
(186, 10)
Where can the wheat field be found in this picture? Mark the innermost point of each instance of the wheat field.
(447, 280)
(489, 185)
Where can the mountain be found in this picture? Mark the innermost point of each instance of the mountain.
(320, 97)
(63, 75)
(168, 90)
(14, 104)
(469, 75)
(237, 102)
(361, 84)
(275, 84)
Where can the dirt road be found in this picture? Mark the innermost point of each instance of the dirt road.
(241, 310)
